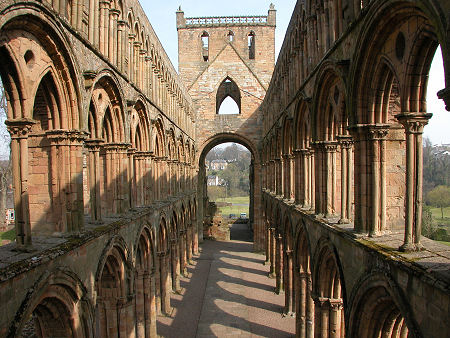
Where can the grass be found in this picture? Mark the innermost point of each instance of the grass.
(442, 242)
(8, 235)
(237, 199)
(235, 209)
(437, 217)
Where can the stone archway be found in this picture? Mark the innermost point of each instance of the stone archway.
(255, 212)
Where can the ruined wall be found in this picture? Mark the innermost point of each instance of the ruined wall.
(206, 68)
(103, 149)
(342, 169)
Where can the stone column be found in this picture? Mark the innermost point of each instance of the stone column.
(133, 175)
(175, 265)
(136, 62)
(272, 255)
(345, 143)
(92, 18)
(58, 168)
(312, 179)
(152, 304)
(113, 35)
(76, 140)
(141, 300)
(279, 264)
(305, 306)
(292, 170)
(143, 68)
(335, 316)
(121, 40)
(288, 284)
(268, 241)
(93, 146)
(377, 138)
(103, 27)
(298, 178)
(165, 296)
(131, 63)
(413, 124)
(19, 130)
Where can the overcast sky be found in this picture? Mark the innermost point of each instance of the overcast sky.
(162, 18)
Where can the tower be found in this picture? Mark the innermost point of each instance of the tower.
(221, 57)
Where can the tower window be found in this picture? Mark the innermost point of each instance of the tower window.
(230, 36)
(251, 45)
(205, 46)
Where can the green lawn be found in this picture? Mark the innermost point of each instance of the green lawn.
(240, 200)
(9, 235)
(235, 209)
(437, 216)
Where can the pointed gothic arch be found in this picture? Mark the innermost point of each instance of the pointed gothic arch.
(228, 88)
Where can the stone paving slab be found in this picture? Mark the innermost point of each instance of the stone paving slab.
(227, 294)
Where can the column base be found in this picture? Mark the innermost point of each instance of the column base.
(409, 247)
(266, 263)
(279, 291)
(288, 314)
(271, 275)
(24, 248)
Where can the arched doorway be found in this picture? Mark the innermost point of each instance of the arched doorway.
(255, 212)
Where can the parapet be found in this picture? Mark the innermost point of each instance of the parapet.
(227, 21)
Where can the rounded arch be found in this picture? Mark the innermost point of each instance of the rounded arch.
(329, 118)
(227, 137)
(302, 124)
(118, 246)
(158, 145)
(423, 27)
(57, 303)
(109, 115)
(44, 47)
(146, 239)
(328, 287)
(325, 254)
(162, 244)
(140, 127)
(378, 306)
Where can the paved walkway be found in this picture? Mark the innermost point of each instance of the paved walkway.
(227, 294)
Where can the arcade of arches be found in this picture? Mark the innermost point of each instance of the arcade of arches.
(108, 162)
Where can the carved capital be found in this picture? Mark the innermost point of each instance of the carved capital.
(377, 132)
(345, 141)
(93, 144)
(414, 123)
(19, 128)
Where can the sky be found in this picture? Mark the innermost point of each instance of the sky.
(162, 17)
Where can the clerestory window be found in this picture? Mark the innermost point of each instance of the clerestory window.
(205, 46)
(251, 45)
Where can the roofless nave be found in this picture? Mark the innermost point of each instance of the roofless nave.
(108, 152)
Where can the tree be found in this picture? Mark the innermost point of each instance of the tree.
(428, 226)
(439, 197)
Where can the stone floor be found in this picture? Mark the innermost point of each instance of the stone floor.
(227, 294)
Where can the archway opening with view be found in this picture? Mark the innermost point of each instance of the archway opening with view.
(228, 167)
(7, 231)
(226, 185)
(436, 159)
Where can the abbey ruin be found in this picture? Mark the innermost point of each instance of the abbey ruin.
(108, 144)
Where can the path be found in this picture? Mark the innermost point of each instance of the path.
(227, 293)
